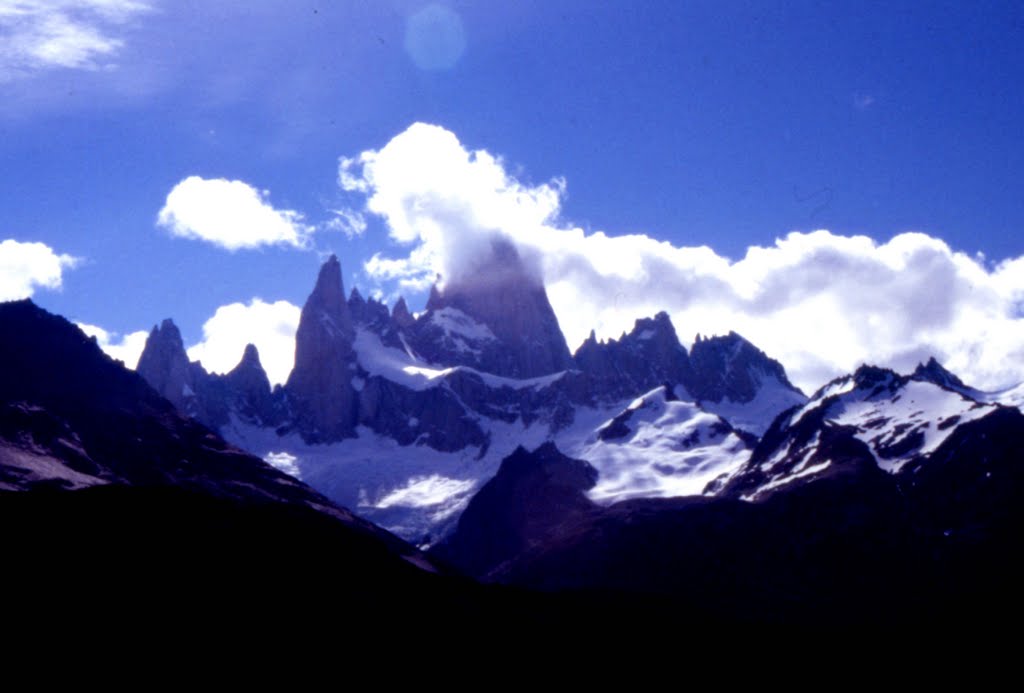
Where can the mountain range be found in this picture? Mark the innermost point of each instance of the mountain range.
(468, 440)
(404, 417)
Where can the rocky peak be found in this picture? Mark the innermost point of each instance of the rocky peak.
(356, 303)
(502, 296)
(164, 364)
(434, 299)
(934, 372)
(401, 315)
(249, 375)
(731, 367)
(250, 356)
(320, 385)
(657, 331)
(373, 315)
(327, 305)
(648, 357)
(867, 376)
(248, 388)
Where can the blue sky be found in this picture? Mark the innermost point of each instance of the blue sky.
(719, 124)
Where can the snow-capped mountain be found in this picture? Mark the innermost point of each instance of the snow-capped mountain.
(403, 418)
(736, 380)
(874, 416)
(659, 447)
(883, 499)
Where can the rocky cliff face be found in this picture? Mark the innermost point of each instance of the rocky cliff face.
(320, 390)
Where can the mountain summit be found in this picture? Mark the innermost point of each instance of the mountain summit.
(165, 365)
(496, 319)
(320, 386)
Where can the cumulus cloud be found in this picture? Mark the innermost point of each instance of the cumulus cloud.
(447, 201)
(25, 267)
(270, 326)
(77, 34)
(124, 347)
(820, 302)
(231, 214)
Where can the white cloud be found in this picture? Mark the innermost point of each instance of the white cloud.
(434, 193)
(231, 214)
(270, 326)
(349, 222)
(76, 34)
(821, 303)
(24, 267)
(124, 347)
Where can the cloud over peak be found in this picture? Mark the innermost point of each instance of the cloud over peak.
(820, 302)
(445, 201)
(231, 214)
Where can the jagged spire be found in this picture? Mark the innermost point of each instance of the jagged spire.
(250, 380)
(164, 363)
(401, 315)
(320, 383)
(935, 372)
(434, 300)
(329, 291)
(251, 355)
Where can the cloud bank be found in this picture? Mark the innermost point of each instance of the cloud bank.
(270, 326)
(25, 267)
(76, 34)
(820, 302)
(124, 347)
(230, 214)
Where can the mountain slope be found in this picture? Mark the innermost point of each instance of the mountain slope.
(856, 547)
(73, 418)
